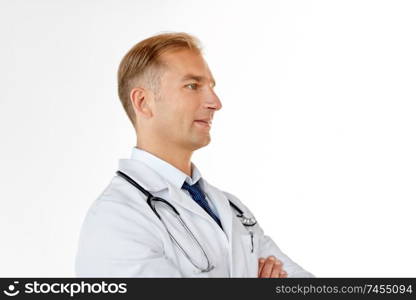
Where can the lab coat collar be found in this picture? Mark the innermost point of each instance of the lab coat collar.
(170, 173)
(142, 174)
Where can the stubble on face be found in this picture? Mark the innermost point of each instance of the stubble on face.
(177, 107)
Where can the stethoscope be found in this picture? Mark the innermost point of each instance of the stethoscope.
(247, 222)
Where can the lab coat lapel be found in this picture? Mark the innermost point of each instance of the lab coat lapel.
(225, 213)
(223, 207)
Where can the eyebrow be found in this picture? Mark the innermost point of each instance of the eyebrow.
(197, 78)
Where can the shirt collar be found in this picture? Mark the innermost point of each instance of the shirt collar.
(168, 172)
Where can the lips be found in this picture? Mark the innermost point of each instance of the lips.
(204, 122)
(207, 121)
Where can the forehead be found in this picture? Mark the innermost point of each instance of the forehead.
(181, 63)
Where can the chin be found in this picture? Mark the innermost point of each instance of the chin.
(201, 143)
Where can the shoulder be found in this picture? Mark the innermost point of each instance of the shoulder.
(119, 205)
(117, 194)
(116, 219)
(118, 226)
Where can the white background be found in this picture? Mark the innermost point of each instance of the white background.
(316, 134)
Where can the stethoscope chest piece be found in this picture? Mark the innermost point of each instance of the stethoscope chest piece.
(248, 221)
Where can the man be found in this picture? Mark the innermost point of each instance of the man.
(167, 91)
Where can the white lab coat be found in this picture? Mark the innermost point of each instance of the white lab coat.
(122, 237)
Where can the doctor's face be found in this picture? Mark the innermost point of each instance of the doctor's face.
(185, 108)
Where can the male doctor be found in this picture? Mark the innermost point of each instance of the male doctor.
(167, 91)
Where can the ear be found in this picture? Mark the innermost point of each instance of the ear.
(141, 100)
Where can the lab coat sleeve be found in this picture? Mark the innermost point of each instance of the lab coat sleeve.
(267, 247)
(118, 240)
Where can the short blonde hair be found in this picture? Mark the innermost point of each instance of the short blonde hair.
(142, 64)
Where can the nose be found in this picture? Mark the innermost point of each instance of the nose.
(212, 101)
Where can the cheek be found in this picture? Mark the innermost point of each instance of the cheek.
(177, 112)
(173, 120)
(183, 113)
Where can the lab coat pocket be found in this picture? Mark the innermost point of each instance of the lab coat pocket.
(250, 247)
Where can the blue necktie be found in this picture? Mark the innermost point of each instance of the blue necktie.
(199, 197)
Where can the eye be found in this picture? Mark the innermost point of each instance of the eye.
(192, 86)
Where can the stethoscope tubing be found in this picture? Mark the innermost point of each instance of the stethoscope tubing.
(151, 198)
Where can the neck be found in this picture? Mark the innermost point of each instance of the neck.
(179, 158)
